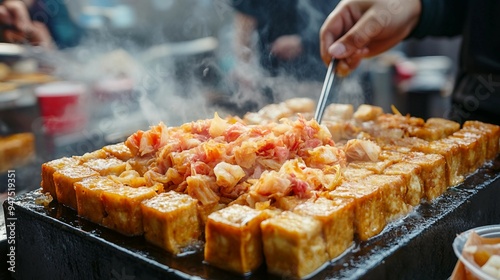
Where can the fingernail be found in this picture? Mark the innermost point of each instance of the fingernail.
(337, 49)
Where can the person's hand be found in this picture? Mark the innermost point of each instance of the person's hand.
(362, 28)
(40, 35)
(20, 29)
(287, 47)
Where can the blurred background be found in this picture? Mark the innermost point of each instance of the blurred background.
(132, 64)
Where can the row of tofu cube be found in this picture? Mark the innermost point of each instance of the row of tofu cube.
(373, 194)
(307, 235)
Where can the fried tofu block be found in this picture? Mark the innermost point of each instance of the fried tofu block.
(123, 207)
(233, 239)
(336, 129)
(410, 142)
(392, 155)
(274, 112)
(88, 197)
(427, 133)
(476, 156)
(300, 104)
(64, 181)
(435, 129)
(352, 174)
(433, 173)
(471, 151)
(170, 221)
(16, 150)
(119, 151)
(448, 127)
(394, 149)
(108, 166)
(370, 217)
(339, 111)
(337, 222)
(367, 112)
(293, 245)
(492, 133)
(452, 155)
(393, 188)
(376, 167)
(288, 203)
(411, 174)
(48, 169)
(92, 155)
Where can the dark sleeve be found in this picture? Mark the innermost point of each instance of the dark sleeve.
(311, 20)
(253, 8)
(63, 30)
(441, 18)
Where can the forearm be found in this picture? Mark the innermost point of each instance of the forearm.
(244, 27)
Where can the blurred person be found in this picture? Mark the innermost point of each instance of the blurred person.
(44, 23)
(357, 29)
(276, 47)
(19, 28)
(55, 16)
(286, 30)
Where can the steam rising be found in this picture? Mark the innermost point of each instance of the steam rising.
(180, 88)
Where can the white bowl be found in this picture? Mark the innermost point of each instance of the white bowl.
(490, 231)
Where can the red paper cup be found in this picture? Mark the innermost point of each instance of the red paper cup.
(62, 106)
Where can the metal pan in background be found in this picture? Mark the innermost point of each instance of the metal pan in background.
(11, 52)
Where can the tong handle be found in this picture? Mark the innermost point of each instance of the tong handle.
(325, 91)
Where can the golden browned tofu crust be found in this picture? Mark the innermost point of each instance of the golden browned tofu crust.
(470, 150)
(492, 133)
(411, 174)
(452, 155)
(119, 151)
(337, 222)
(367, 112)
(170, 221)
(433, 173)
(16, 150)
(48, 169)
(435, 129)
(393, 189)
(393, 156)
(293, 245)
(377, 167)
(482, 145)
(288, 203)
(447, 126)
(370, 216)
(123, 207)
(339, 111)
(97, 154)
(88, 197)
(233, 239)
(353, 174)
(107, 166)
(64, 181)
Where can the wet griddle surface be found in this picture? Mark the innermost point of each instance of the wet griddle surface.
(54, 243)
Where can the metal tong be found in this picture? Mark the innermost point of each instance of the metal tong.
(325, 91)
